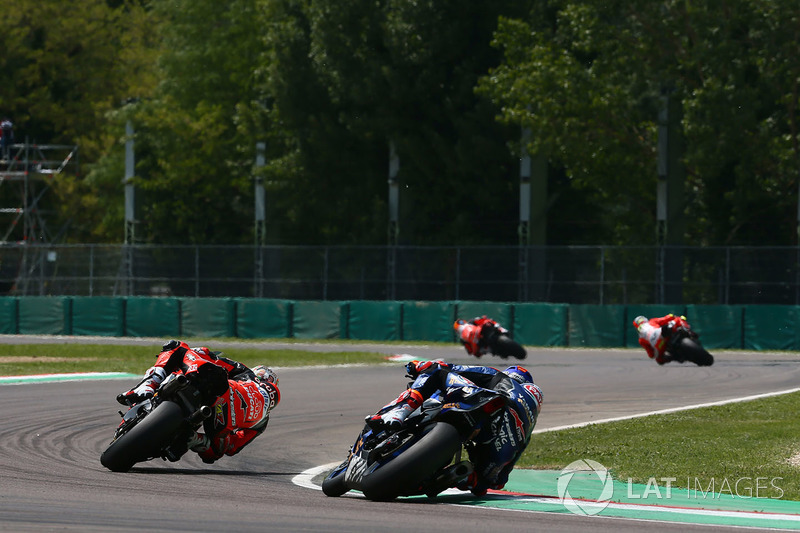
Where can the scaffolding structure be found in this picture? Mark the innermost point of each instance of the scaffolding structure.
(26, 174)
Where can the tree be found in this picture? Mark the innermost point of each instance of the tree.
(347, 78)
(65, 65)
(586, 76)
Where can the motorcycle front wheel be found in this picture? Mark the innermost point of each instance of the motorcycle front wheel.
(334, 485)
(145, 439)
(404, 474)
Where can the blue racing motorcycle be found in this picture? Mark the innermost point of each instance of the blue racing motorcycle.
(424, 456)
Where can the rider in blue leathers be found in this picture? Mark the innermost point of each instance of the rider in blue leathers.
(500, 443)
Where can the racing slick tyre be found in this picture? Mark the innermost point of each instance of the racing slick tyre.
(144, 440)
(335, 486)
(505, 347)
(406, 473)
(689, 350)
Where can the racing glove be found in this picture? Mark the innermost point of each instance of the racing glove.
(415, 368)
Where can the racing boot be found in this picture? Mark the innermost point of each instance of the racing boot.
(199, 442)
(397, 412)
(145, 389)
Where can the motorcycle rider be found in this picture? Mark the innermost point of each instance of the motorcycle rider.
(233, 424)
(238, 417)
(474, 335)
(499, 443)
(654, 334)
(196, 363)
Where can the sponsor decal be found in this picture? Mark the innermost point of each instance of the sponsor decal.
(255, 403)
(534, 391)
(219, 415)
(356, 469)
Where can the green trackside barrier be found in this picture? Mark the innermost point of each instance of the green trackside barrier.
(541, 324)
(9, 315)
(719, 326)
(319, 320)
(596, 326)
(772, 327)
(755, 327)
(263, 318)
(44, 315)
(212, 317)
(101, 315)
(650, 311)
(428, 321)
(372, 320)
(152, 317)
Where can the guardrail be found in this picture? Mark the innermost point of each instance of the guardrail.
(764, 327)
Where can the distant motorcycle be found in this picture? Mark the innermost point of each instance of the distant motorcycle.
(484, 335)
(684, 345)
(424, 456)
(158, 426)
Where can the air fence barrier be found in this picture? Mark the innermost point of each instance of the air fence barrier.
(751, 327)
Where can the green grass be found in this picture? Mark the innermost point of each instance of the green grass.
(24, 359)
(750, 439)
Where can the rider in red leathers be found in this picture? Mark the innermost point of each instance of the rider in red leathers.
(201, 364)
(241, 398)
(474, 334)
(654, 334)
(238, 416)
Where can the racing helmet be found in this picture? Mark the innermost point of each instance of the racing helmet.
(519, 373)
(638, 321)
(265, 374)
(267, 380)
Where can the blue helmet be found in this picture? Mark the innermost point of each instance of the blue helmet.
(519, 373)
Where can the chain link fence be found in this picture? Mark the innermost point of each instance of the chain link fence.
(563, 274)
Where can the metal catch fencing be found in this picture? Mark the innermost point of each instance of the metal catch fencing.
(559, 274)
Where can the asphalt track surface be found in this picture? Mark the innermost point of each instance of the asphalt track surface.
(52, 434)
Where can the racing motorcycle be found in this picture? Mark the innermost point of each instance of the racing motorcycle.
(424, 456)
(684, 345)
(493, 338)
(159, 426)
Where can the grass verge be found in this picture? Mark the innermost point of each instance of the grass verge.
(745, 441)
(19, 359)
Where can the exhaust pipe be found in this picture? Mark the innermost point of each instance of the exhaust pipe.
(201, 414)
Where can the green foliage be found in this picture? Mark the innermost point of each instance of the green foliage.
(329, 84)
(586, 78)
(65, 65)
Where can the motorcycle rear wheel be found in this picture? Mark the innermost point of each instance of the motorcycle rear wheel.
(405, 474)
(505, 347)
(689, 350)
(145, 439)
